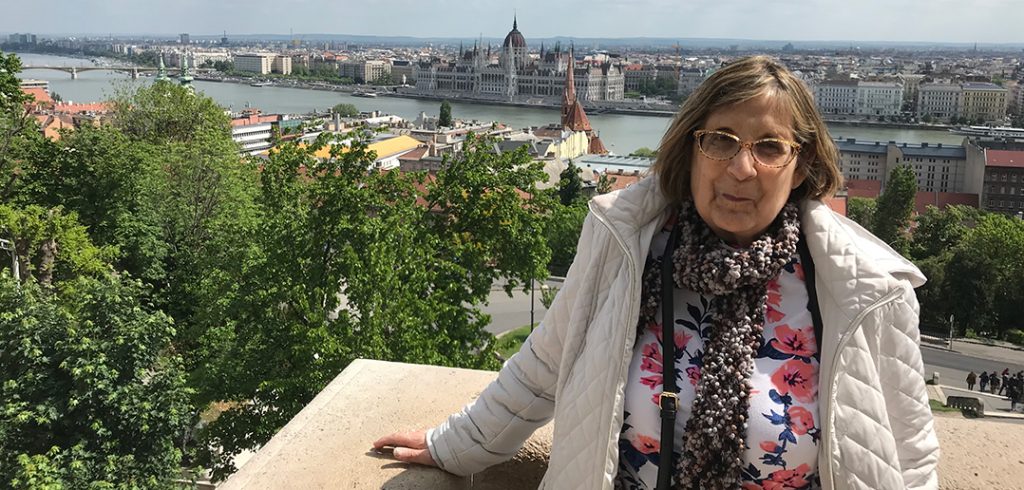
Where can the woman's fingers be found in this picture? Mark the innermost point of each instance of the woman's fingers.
(413, 439)
(418, 456)
(409, 447)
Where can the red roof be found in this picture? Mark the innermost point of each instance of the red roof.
(597, 146)
(254, 119)
(1004, 158)
(941, 200)
(40, 95)
(837, 204)
(79, 108)
(863, 188)
(576, 119)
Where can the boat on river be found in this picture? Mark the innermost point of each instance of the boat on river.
(986, 132)
(364, 94)
(260, 84)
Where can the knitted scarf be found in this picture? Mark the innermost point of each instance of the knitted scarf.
(736, 279)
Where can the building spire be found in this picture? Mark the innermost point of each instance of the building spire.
(569, 95)
(185, 79)
(515, 21)
(161, 73)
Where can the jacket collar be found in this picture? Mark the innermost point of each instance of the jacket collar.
(630, 209)
(853, 266)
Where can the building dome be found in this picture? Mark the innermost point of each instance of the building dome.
(514, 39)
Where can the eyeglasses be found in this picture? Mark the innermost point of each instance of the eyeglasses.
(770, 152)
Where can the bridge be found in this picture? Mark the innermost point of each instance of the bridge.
(133, 70)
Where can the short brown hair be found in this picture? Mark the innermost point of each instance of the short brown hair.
(744, 79)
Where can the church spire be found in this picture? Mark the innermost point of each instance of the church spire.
(515, 22)
(161, 73)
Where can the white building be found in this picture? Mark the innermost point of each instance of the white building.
(517, 73)
(254, 62)
(365, 71)
(690, 79)
(836, 96)
(879, 98)
(263, 63)
(938, 100)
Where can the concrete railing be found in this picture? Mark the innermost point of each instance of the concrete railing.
(327, 445)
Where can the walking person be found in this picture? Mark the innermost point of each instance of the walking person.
(971, 377)
(1006, 382)
(993, 382)
(1013, 392)
(983, 381)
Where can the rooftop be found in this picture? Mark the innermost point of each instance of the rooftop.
(1004, 158)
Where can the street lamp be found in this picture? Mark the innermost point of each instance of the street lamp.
(9, 246)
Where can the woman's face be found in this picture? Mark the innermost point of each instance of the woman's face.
(739, 198)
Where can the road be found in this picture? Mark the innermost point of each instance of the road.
(509, 313)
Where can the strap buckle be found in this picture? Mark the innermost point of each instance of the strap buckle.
(669, 396)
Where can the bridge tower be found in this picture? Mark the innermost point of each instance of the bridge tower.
(135, 73)
(74, 73)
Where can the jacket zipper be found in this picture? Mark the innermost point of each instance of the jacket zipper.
(634, 294)
(855, 326)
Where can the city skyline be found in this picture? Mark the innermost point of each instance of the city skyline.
(898, 21)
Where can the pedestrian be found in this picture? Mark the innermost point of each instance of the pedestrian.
(993, 382)
(1013, 391)
(1006, 382)
(983, 381)
(970, 380)
(1006, 372)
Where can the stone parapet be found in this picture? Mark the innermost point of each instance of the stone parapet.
(327, 445)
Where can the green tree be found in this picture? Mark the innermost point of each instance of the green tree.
(644, 151)
(861, 210)
(17, 128)
(563, 233)
(605, 183)
(940, 231)
(570, 185)
(355, 264)
(896, 204)
(346, 110)
(49, 245)
(92, 396)
(445, 119)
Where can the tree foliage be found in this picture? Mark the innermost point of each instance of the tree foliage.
(891, 219)
(861, 210)
(365, 264)
(644, 151)
(445, 119)
(570, 184)
(91, 395)
(346, 110)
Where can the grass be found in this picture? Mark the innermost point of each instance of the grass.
(937, 406)
(509, 343)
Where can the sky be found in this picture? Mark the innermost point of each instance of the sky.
(961, 21)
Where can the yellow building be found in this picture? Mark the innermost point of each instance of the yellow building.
(982, 101)
(388, 150)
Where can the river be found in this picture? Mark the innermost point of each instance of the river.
(621, 133)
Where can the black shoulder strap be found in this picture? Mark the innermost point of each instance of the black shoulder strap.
(669, 400)
(812, 294)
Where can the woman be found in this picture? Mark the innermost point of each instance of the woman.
(971, 378)
(792, 330)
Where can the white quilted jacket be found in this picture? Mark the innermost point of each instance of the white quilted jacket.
(877, 426)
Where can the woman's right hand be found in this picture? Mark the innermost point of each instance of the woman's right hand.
(409, 447)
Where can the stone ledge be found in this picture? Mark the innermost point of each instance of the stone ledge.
(327, 445)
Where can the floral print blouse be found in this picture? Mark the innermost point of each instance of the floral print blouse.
(783, 423)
